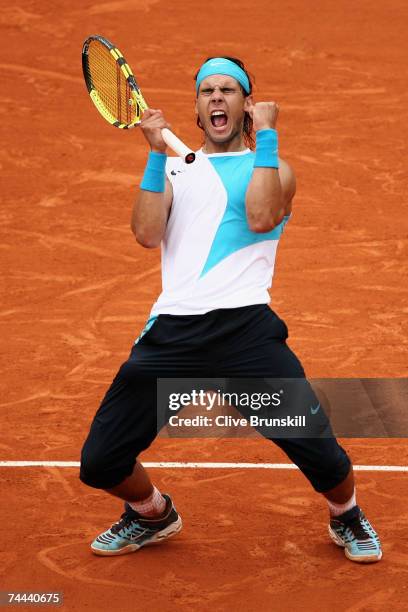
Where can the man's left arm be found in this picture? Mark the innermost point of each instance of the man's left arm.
(288, 185)
(272, 188)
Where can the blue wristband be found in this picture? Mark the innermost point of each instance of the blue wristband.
(266, 152)
(154, 177)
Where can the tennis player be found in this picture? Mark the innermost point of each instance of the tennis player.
(219, 221)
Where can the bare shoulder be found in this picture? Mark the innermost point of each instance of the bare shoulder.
(288, 183)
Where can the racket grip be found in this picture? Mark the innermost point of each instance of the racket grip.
(178, 146)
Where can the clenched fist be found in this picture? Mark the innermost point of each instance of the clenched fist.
(264, 115)
(152, 124)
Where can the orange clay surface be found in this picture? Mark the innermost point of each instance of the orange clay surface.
(77, 289)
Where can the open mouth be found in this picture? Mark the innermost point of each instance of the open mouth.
(218, 118)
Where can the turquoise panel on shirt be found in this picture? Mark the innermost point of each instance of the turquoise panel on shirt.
(151, 321)
(233, 233)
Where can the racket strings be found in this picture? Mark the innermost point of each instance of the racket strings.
(111, 84)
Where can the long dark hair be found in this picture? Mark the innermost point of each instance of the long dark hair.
(248, 123)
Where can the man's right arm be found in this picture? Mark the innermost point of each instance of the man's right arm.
(150, 214)
(152, 208)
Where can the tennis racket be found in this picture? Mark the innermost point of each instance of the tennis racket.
(114, 90)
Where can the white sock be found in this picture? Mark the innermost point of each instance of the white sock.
(154, 505)
(337, 509)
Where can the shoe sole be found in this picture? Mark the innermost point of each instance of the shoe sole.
(359, 558)
(168, 532)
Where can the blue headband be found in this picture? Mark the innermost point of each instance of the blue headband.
(220, 65)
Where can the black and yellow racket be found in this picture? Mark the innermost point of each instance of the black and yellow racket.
(115, 92)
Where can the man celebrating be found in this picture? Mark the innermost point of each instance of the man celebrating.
(219, 221)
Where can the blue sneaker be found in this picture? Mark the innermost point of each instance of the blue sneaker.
(354, 533)
(134, 531)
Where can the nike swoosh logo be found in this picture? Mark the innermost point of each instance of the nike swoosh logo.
(315, 410)
(136, 536)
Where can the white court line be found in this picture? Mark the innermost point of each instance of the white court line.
(204, 465)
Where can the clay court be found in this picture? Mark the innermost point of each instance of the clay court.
(77, 290)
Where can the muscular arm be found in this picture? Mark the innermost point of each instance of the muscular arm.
(269, 196)
(151, 209)
(271, 190)
(150, 214)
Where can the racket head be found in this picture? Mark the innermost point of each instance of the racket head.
(111, 84)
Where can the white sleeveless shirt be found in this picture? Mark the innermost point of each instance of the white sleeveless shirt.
(210, 257)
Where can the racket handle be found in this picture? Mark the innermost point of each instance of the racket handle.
(178, 146)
